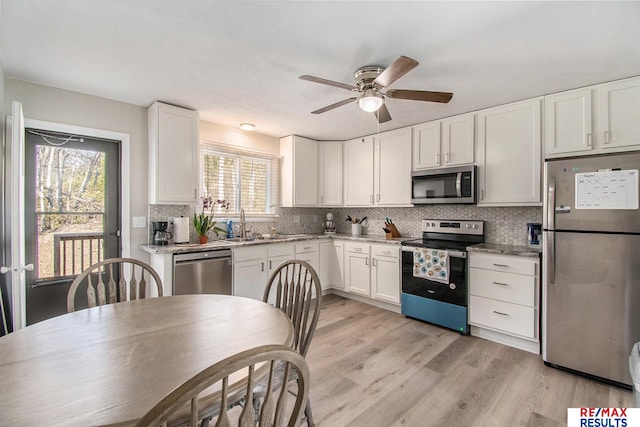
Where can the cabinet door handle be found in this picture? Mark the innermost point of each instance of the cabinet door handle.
(446, 157)
(607, 137)
(501, 265)
(501, 284)
(500, 313)
(378, 197)
(371, 198)
(437, 158)
(195, 193)
(589, 142)
(269, 264)
(262, 266)
(481, 194)
(373, 262)
(366, 261)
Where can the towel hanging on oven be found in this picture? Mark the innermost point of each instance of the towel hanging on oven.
(432, 264)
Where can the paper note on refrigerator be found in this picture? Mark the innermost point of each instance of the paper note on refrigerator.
(607, 190)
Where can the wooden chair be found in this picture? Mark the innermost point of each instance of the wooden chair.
(295, 288)
(273, 411)
(107, 282)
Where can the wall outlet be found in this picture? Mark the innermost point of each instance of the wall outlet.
(139, 222)
(296, 219)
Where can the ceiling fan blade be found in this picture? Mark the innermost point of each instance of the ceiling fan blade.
(420, 95)
(382, 114)
(328, 82)
(336, 105)
(397, 69)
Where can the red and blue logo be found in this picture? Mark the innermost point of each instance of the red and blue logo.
(603, 417)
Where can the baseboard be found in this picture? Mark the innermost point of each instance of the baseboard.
(511, 341)
(365, 300)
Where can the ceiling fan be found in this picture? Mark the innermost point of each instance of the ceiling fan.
(372, 80)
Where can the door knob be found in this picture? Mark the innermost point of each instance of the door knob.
(4, 270)
(28, 267)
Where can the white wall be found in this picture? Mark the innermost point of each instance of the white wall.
(62, 106)
(212, 132)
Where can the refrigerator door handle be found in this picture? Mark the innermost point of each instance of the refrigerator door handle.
(551, 257)
(551, 205)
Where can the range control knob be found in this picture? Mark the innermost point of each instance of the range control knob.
(475, 225)
(433, 224)
(468, 226)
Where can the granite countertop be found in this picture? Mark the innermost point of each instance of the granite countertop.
(502, 249)
(226, 244)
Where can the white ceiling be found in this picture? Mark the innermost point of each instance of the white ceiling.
(240, 61)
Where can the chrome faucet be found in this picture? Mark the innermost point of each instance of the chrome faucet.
(243, 225)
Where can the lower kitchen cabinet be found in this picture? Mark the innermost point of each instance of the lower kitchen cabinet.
(372, 271)
(337, 265)
(250, 272)
(385, 273)
(504, 299)
(325, 273)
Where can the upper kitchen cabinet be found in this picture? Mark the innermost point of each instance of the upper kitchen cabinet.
(378, 170)
(299, 171)
(173, 154)
(330, 175)
(358, 177)
(596, 119)
(392, 170)
(442, 143)
(509, 154)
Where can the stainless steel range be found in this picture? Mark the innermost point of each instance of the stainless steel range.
(434, 272)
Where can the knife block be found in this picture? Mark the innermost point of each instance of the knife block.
(393, 231)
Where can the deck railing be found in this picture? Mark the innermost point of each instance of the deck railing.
(74, 252)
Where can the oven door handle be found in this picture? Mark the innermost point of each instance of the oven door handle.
(452, 254)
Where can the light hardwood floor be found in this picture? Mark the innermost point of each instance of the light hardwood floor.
(371, 367)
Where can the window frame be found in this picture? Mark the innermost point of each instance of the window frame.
(272, 180)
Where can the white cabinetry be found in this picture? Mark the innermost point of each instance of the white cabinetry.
(337, 265)
(448, 142)
(372, 271)
(385, 273)
(504, 299)
(330, 173)
(509, 154)
(596, 119)
(325, 274)
(299, 173)
(250, 272)
(356, 269)
(378, 170)
(173, 154)
(358, 175)
(308, 251)
(277, 254)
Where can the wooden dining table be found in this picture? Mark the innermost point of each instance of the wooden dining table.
(110, 364)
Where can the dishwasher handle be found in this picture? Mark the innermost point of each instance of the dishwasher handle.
(201, 256)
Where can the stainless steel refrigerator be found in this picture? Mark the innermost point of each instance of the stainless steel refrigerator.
(591, 279)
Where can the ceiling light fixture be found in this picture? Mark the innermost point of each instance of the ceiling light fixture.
(248, 126)
(370, 101)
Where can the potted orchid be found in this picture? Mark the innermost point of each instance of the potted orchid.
(204, 221)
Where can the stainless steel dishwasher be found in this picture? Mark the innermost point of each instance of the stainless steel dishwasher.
(207, 272)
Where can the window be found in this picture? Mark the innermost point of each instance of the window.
(248, 181)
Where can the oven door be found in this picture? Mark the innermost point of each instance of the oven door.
(455, 292)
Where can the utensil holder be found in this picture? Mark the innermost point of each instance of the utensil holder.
(356, 229)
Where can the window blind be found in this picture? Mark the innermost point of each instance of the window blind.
(246, 180)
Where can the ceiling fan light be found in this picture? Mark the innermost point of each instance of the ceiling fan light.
(370, 101)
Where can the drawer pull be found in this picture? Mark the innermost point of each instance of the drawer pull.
(358, 249)
(500, 313)
(431, 291)
(307, 247)
(501, 284)
(501, 265)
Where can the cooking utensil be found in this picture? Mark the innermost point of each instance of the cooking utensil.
(349, 219)
(362, 220)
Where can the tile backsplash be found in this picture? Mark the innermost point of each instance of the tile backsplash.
(506, 225)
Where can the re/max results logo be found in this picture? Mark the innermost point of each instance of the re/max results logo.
(603, 417)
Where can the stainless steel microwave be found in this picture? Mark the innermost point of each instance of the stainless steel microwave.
(444, 186)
